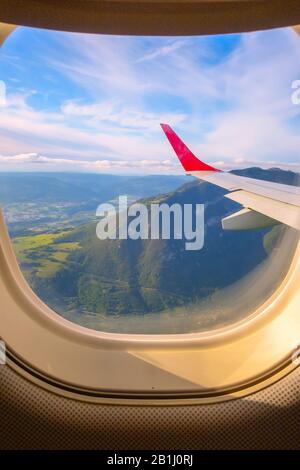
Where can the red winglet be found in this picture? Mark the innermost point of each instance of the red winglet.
(188, 160)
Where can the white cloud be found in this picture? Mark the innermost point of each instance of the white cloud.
(114, 113)
(237, 107)
(163, 51)
(51, 132)
(32, 159)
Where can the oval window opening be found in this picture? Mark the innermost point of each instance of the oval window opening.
(108, 229)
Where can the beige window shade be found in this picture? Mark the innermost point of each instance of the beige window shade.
(297, 29)
(156, 17)
(5, 30)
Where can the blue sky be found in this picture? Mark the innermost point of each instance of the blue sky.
(78, 102)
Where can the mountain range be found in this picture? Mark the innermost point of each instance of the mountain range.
(136, 277)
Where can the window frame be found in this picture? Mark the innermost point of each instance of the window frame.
(145, 369)
(213, 366)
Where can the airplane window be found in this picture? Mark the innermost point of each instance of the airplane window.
(124, 225)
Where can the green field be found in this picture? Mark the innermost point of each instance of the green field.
(43, 254)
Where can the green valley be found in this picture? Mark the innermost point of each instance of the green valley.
(99, 283)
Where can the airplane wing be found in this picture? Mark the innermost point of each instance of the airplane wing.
(265, 203)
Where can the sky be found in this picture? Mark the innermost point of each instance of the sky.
(79, 102)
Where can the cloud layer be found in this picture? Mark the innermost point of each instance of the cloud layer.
(94, 103)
